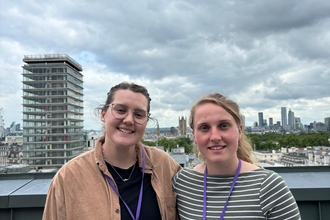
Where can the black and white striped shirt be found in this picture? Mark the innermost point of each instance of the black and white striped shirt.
(258, 194)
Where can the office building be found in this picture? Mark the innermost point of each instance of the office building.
(291, 121)
(299, 125)
(327, 124)
(278, 124)
(271, 123)
(255, 124)
(52, 110)
(284, 120)
(261, 119)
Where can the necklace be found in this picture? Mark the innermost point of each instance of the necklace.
(113, 186)
(123, 179)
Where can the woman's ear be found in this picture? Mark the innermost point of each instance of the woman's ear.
(102, 115)
(192, 131)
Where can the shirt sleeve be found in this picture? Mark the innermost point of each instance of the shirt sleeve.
(276, 200)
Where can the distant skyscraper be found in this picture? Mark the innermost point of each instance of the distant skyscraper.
(12, 127)
(261, 119)
(298, 124)
(284, 120)
(327, 124)
(18, 127)
(278, 124)
(255, 124)
(52, 110)
(271, 123)
(291, 121)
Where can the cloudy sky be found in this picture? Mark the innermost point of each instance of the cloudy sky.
(262, 54)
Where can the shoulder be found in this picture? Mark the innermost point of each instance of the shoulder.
(246, 167)
(271, 180)
(269, 174)
(185, 174)
(265, 174)
(80, 163)
(157, 154)
(82, 159)
(154, 150)
(259, 176)
(161, 158)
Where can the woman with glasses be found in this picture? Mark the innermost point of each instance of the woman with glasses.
(227, 185)
(120, 178)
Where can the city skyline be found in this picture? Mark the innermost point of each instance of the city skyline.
(252, 52)
(288, 120)
(268, 119)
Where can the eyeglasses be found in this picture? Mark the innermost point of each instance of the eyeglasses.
(120, 111)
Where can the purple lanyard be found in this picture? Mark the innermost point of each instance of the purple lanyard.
(231, 189)
(141, 191)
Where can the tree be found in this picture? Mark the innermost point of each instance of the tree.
(255, 140)
(169, 144)
(292, 140)
(148, 143)
(268, 145)
(186, 143)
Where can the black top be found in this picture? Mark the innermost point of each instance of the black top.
(130, 190)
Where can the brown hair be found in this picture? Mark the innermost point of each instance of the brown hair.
(123, 86)
(244, 151)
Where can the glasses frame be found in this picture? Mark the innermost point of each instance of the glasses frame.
(125, 115)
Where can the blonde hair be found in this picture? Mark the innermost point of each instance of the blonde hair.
(244, 151)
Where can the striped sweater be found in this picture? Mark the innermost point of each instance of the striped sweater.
(258, 194)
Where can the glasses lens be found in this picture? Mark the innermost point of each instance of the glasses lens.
(140, 116)
(120, 112)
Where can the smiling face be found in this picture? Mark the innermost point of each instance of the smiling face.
(124, 132)
(216, 134)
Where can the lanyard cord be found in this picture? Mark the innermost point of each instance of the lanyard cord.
(231, 189)
(141, 191)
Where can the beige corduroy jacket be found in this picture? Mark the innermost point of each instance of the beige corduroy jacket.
(79, 189)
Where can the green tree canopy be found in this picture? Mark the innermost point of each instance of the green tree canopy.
(269, 140)
(169, 144)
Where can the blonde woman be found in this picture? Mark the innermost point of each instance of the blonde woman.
(227, 185)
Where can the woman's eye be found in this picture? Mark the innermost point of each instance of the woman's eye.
(224, 125)
(121, 110)
(139, 115)
(203, 128)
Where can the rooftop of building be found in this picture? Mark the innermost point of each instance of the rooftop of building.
(51, 58)
(23, 195)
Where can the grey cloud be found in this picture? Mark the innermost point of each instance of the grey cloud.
(260, 53)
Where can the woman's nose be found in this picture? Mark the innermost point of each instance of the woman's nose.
(129, 118)
(215, 135)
